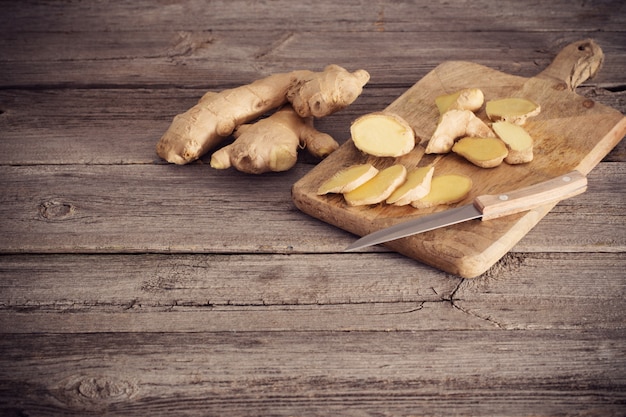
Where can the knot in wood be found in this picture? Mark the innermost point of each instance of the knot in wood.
(588, 103)
(56, 210)
(95, 392)
(102, 388)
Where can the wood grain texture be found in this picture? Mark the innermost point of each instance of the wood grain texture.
(129, 287)
(172, 209)
(343, 373)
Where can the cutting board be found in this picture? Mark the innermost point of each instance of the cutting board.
(571, 132)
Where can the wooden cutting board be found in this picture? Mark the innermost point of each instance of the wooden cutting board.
(571, 132)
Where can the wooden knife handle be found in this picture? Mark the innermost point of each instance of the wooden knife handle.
(527, 198)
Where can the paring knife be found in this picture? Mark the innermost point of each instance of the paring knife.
(484, 207)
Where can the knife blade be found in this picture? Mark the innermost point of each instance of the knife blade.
(484, 207)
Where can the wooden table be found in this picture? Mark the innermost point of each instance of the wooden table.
(133, 287)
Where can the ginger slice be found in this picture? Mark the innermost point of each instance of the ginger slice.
(482, 152)
(453, 125)
(378, 188)
(514, 110)
(416, 186)
(517, 139)
(382, 134)
(467, 99)
(445, 189)
(348, 179)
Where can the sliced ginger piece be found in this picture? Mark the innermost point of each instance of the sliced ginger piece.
(382, 134)
(348, 179)
(445, 189)
(378, 188)
(514, 110)
(416, 186)
(453, 125)
(467, 99)
(518, 141)
(482, 152)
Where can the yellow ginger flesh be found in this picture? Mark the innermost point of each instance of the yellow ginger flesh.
(379, 188)
(445, 189)
(348, 179)
(517, 139)
(482, 152)
(513, 109)
(382, 134)
(416, 186)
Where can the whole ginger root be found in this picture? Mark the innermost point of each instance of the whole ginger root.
(217, 115)
(271, 144)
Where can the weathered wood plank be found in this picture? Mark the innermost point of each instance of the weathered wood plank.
(163, 282)
(217, 59)
(122, 126)
(187, 293)
(320, 16)
(315, 373)
(194, 208)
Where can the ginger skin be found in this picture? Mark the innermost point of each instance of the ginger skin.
(271, 144)
(216, 115)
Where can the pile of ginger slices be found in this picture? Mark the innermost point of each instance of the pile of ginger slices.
(487, 145)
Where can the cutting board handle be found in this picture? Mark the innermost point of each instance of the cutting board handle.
(576, 63)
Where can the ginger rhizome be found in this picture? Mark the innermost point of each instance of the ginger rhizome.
(204, 126)
(467, 99)
(271, 144)
(453, 125)
(382, 134)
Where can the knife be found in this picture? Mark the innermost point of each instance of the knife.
(484, 207)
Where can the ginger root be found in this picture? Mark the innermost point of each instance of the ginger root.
(416, 186)
(517, 140)
(216, 115)
(271, 144)
(445, 189)
(514, 110)
(379, 188)
(453, 125)
(382, 134)
(348, 179)
(467, 99)
(482, 152)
